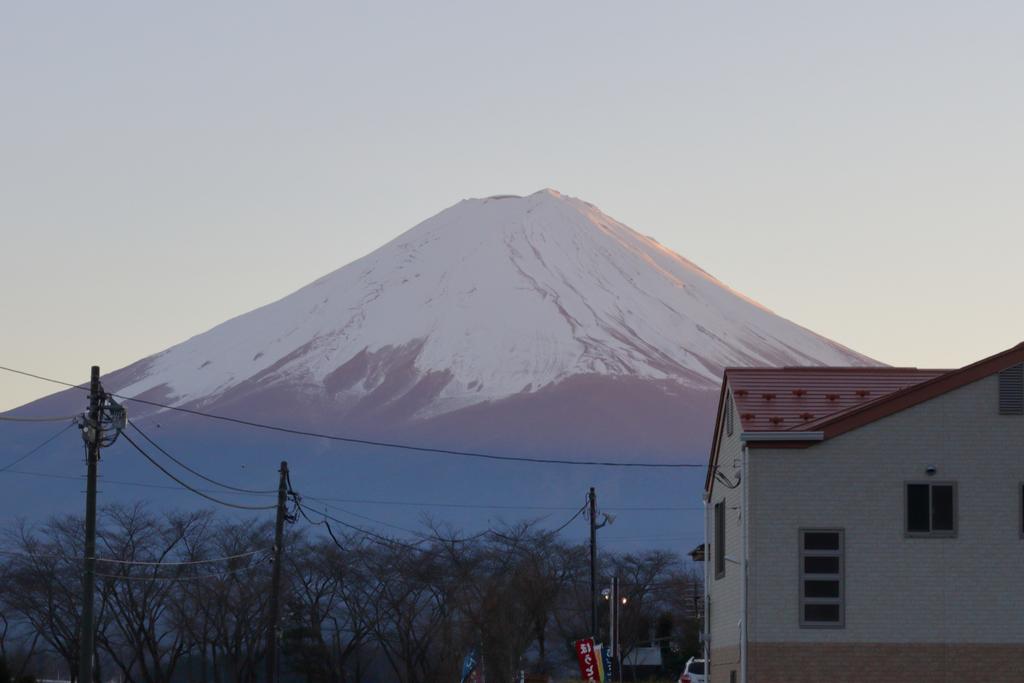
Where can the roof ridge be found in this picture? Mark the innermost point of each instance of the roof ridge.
(960, 377)
(834, 368)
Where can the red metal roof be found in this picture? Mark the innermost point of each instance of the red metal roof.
(847, 398)
(797, 398)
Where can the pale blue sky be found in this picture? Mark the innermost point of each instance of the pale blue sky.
(857, 167)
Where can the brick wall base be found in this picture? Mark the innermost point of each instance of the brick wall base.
(889, 662)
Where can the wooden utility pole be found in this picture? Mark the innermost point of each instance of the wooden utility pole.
(92, 436)
(273, 639)
(592, 502)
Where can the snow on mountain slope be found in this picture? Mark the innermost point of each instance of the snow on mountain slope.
(488, 299)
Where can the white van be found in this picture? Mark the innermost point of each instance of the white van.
(693, 672)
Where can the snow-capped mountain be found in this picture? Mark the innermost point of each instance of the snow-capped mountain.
(532, 325)
(492, 298)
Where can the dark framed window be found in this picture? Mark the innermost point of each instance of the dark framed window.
(931, 509)
(720, 539)
(822, 593)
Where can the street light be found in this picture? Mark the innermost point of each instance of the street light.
(614, 601)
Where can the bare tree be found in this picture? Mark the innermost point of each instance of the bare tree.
(44, 583)
(185, 595)
(227, 614)
(139, 576)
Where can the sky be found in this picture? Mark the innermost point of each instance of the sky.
(856, 167)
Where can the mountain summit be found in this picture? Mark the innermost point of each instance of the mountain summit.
(490, 299)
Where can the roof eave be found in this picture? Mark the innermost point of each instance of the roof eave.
(758, 440)
(919, 393)
(749, 437)
(709, 480)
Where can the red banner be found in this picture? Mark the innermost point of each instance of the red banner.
(587, 654)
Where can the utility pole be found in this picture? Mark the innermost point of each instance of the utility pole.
(592, 501)
(275, 581)
(92, 435)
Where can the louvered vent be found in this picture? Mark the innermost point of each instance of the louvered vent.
(728, 414)
(1011, 390)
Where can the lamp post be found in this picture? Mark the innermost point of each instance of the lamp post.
(615, 601)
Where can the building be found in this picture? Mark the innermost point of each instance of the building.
(867, 524)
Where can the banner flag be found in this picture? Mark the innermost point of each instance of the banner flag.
(602, 672)
(470, 668)
(588, 660)
(606, 660)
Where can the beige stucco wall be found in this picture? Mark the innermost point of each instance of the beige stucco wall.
(966, 589)
(725, 592)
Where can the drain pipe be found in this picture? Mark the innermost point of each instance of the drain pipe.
(706, 635)
(745, 561)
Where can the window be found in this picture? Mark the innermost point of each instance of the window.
(821, 578)
(1011, 390)
(728, 414)
(931, 509)
(719, 539)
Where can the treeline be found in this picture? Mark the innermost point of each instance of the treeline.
(184, 596)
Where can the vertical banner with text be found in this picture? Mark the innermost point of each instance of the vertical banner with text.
(587, 655)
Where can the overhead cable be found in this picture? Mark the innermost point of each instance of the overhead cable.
(571, 519)
(366, 532)
(474, 506)
(37, 448)
(361, 501)
(190, 488)
(145, 563)
(197, 473)
(183, 563)
(193, 577)
(380, 444)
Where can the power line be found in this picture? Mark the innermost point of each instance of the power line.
(381, 444)
(571, 519)
(218, 575)
(364, 517)
(145, 563)
(363, 501)
(427, 537)
(435, 536)
(653, 537)
(49, 475)
(472, 506)
(199, 474)
(183, 563)
(38, 448)
(365, 532)
(194, 490)
(324, 523)
(45, 379)
(297, 500)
